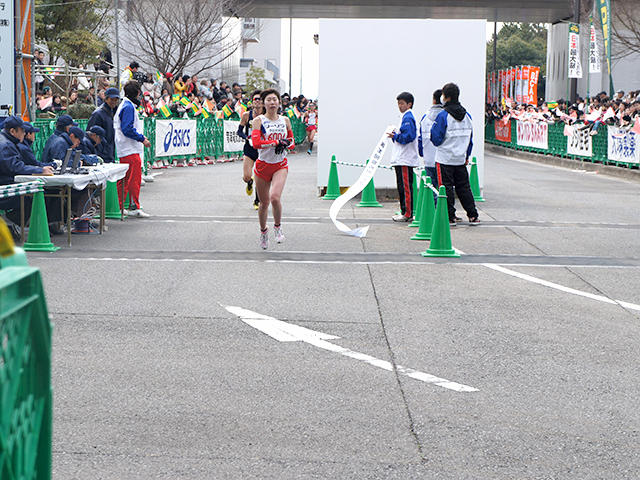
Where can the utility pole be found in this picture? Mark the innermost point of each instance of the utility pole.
(300, 91)
(117, 48)
(290, 47)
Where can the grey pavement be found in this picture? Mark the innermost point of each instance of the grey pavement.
(154, 379)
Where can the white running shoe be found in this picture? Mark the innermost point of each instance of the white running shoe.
(148, 178)
(138, 213)
(277, 233)
(264, 239)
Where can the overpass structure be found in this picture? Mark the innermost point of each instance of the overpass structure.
(534, 11)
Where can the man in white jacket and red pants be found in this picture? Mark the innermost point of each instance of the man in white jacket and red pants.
(404, 156)
(130, 143)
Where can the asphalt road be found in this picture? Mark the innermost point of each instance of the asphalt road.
(154, 378)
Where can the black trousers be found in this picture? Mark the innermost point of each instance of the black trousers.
(404, 180)
(455, 179)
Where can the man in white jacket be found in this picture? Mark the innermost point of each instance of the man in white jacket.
(404, 156)
(426, 149)
(452, 134)
(130, 143)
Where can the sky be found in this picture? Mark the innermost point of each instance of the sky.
(303, 31)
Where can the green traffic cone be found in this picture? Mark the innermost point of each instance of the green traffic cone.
(427, 212)
(368, 198)
(475, 182)
(333, 184)
(418, 204)
(414, 194)
(39, 239)
(112, 207)
(441, 234)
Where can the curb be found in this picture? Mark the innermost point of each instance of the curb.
(608, 170)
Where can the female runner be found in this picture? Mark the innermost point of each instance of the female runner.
(311, 119)
(250, 153)
(271, 136)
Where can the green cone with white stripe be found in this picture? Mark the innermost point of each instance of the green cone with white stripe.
(427, 211)
(333, 184)
(368, 198)
(441, 234)
(39, 239)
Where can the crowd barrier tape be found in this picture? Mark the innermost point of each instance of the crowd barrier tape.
(25, 370)
(209, 132)
(610, 146)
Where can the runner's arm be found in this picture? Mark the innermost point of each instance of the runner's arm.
(243, 122)
(292, 145)
(256, 136)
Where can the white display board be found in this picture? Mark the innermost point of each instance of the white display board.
(534, 135)
(232, 141)
(175, 137)
(7, 70)
(365, 64)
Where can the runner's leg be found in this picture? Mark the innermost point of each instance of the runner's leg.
(277, 185)
(247, 168)
(263, 188)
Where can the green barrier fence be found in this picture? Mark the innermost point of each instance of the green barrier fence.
(210, 136)
(25, 376)
(558, 144)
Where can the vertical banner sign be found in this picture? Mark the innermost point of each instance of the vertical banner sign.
(232, 141)
(534, 135)
(574, 65)
(526, 71)
(7, 82)
(175, 137)
(512, 82)
(519, 85)
(580, 142)
(605, 16)
(622, 146)
(502, 130)
(594, 53)
(534, 75)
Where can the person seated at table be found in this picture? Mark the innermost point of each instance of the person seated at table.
(26, 147)
(11, 164)
(92, 141)
(63, 124)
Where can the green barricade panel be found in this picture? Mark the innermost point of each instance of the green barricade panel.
(25, 376)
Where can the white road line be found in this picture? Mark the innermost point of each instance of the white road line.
(288, 332)
(562, 288)
(329, 262)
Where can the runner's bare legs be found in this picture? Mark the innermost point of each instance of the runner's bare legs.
(263, 188)
(277, 185)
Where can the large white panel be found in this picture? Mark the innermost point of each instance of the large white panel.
(365, 64)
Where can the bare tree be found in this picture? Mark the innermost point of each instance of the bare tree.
(625, 28)
(173, 35)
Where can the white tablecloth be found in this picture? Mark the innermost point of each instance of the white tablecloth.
(98, 175)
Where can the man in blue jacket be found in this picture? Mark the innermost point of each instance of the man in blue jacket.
(404, 156)
(63, 124)
(92, 140)
(11, 164)
(59, 144)
(103, 117)
(26, 147)
(452, 134)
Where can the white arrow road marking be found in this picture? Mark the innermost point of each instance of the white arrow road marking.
(287, 332)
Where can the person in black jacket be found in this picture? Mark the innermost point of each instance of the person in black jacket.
(93, 141)
(11, 164)
(103, 117)
(26, 149)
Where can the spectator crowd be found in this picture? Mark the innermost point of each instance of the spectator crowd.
(164, 95)
(623, 111)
